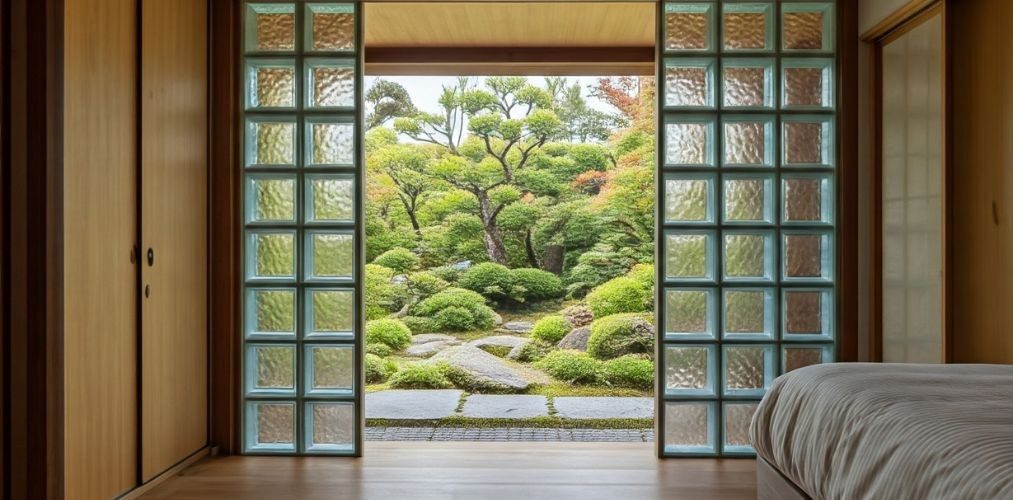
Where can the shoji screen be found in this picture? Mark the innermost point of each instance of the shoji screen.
(747, 155)
(303, 239)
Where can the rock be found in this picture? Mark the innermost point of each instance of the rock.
(402, 313)
(497, 320)
(603, 407)
(464, 265)
(500, 340)
(430, 348)
(424, 338)
(519, 326)
(413, 404)
(576, 339)
(505, 406)
(400, 279)
(485, 370)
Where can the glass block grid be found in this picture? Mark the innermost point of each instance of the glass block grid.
(746, 211)
(302, 204)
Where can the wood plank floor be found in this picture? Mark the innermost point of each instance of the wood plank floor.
(468, 470)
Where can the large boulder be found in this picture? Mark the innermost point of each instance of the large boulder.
(425, 338)
(576, 339)
(429, 348)
(519, 326)
(499, 345)
(481, 370)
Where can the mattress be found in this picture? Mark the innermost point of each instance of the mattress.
(873, 430)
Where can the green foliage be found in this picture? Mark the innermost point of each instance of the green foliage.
(618, 295)
(450, 274)
(574, 367)
(643, 274)
(596, 267)
(380, 350)
(467, 310)
(421, 376)
(420, 324)
(378, 369)
(390, 332)
(389, 100)
(629, 371)
(455, 318)
(382, 297)
(492, 280)
(538, 284)
(401, 260)
(621, 334)
(425, 284)
(534, 351)
(551, 328)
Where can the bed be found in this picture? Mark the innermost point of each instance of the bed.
(873, 430)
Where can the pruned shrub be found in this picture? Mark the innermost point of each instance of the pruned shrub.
(538, 284)
(381, 296)
(551, 328)
(421, 376)
(380, 350)
(578, 315)
(454, 318)
(643, 274)
(390, 332)
(425, 284)
(469, 310)
(621, 334)
(399, 259)
(530, 352)
(574, 367)
(420, 324)
(378, 369)
(492, 280)
(630, 371)
(450, 274)
(618, 295)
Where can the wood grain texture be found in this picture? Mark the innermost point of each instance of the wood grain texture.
(174, 225)
(99, 233)
(469, 470)
(484, 61)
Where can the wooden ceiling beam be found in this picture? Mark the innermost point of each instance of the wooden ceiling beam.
(531, 61)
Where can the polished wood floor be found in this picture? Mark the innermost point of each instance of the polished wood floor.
(469, 470)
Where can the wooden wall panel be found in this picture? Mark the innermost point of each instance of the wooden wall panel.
(174, 225)
(99, 233)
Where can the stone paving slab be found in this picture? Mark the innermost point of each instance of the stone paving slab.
(507, 434)
(603, 407)
(505, 406)
(412, 404)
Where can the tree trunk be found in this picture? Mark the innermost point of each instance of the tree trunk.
(493, 239)
(529, 246)
(553, 260)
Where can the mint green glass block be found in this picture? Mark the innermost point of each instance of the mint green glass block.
(273, 312)
(749, 199)
(689, 313)
(270, 27)
(795, 356)
(270, 427)
(270, 84)
(271, 255)
(331, 313)
(330, 141)
(808, 256)
(748, 256)
(330, 370)
(689, 27)
(270, 198)
(748, 369)
(747, 27)
(689, 83)
(808, 199)
(330, 427)
(807, 84)
(270, 141)
(330, 27)
(689, 141)
(331, 256)
(689, 198)
(270, 369)
(807, 27)
(689, 255)
(807, 141)
(747, 83)
(330, 83)
(690, 428)
(330, 198)
(689, 370)
(808, 314)
(749, 313)
(738, 417)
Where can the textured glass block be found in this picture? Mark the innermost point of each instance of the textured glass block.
(273, 368)
(273, 426)
(747, 83)
(270, 27)
(689, 83)
(688, 255)
(806, 199)
(273, 255)
(270, 143)
(272, 199)
(807, 141)
(332, 312)
(748, 199)
(330, 198)
(330, 84)
(747, 27)
(807, 27)
(803, 256)
(271, 84)
(331, 427)
(747, 256)
(688, 370)
(795, 357)
(738, 417)
(275, 312)
(689, 143)
(746, 368)
(332, 255)
(331, 369)
(746, 312)
(688, 312)
(689, 427)
(689, 198)
(803, 312)
(330, 27)
(331, 143)
(688, 27)
(747, 141)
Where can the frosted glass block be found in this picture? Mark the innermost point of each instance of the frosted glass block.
(749, 313)
(330, 142)
(807, 27)
(689, 313)
(808, 141)
(748, 369)
(270, 142)
(330, 427)
(690, 427)
(270, 426)
(808, 257)
(689, 370)
(689, 83)
(330, 369)
(689, 198)
(748, 256)
(748, 27)
(270, 198)
(271, 255)
(808, 199)
(748, 199)
(689, 141)
(689, 27)
(738, 418)
(688, 255)
(330, 27)
(808, 314)
(270, 84)
(270, 369)
(331, 255)
(272, 312)
(747, 83)
(270, 27)
(330, 83)
(748, 141)
(797, 356)
(330, 198)
(807, 83)
(331, 313)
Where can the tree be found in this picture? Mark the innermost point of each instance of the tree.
(581, 123)
(406, 166)
(390, 100)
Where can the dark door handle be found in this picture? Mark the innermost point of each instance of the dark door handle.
(147, 291)
(151, 257)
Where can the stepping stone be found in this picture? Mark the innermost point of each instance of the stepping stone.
(429, 348)
(500, 341)
(505, 406)
(519, 326)
(424, 338)
(484, 368)
(603, 407)
(576, 339)
(412, 404)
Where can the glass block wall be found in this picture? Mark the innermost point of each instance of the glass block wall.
(302, 202)
(746, 211)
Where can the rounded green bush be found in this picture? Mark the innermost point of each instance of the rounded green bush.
(454, 318)
(643, 274)
(551, 328)
(378, 369)
(533, 351)
(380, 350)
(450, 274)
(574, 367)
(629, 371)
(420, 376)
(538, 284)
(621, 334)
(419, 324)
(381, 296)
(425, 284)
(399, 259)
(389, 332)
(618, 295)
(495, 281)
(479, 315)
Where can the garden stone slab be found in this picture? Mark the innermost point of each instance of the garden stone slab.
(423, 338)
(603, 407)
(484, 368)
(499, 341)
(412, 404)
(576, 339)
(429, 348)
(505, 406)
(519, 326)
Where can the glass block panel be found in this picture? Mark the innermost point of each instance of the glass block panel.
(747, 83)
(270, 141)
(689, 255)
(689, 27)
(689, 313)
(270, 369)
(799, 356)
(749, 369)
(271, 312)
(270, 27)
(330, 83)
(330, 427)
(749, 313)
(807, 257)
(689, 83)
(330, 255)
(271, 255)
(331, 313)
(737, 418)
(749, 199)
(330, 141)
(748, 256)
(689, 198)
(807, 83)
(748, 141)
(270, 198)
(808, 199)
(690, 427)
(808, 141)
(689, 370)
(748, 27)
(330, 27)
(270, 426)
(808, 314)
(270, 84)
(330, 369)
(689, 141)
(807, 27)
(330, 198)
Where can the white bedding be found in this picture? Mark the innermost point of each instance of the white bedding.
(891, 431)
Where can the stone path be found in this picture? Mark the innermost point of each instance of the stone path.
(506, 434)
(435, 404)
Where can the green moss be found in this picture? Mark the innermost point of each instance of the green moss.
(621, 334)
(534, 351)
(390, 332)
(550, 422)
(421, 376)
(378, 369)
(379, 350)
(551, 329)
(538, 284)
(618, 295)
(574, 367)
(629, 371)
